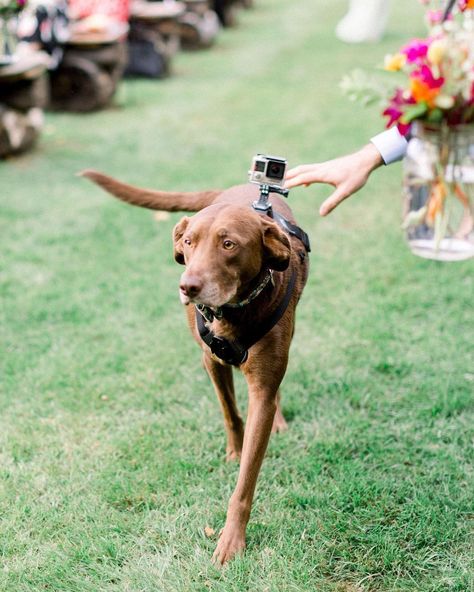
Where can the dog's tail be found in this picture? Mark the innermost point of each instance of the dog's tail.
(171, 201)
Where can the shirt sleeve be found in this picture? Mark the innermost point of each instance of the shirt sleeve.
(391, 145)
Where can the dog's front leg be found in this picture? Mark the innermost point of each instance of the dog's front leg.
(261, 411)
(223, 382)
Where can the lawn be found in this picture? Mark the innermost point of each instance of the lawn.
(111, 440)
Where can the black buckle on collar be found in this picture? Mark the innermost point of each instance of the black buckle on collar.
(230, 352)
(235, 353)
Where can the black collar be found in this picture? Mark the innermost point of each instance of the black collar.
(235, 352)
(210, 313)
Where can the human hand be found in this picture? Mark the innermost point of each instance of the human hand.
(347, 174)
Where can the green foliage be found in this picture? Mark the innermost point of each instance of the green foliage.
(415, 112)
(365, 88)
(111, 440)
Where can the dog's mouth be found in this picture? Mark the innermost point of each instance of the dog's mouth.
(184, 298)
(211, 299)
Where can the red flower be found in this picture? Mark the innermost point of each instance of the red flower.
(395, 110)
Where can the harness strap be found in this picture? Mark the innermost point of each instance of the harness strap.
(235, 352)
(292, 229)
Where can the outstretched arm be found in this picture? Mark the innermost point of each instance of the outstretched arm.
(348, 174)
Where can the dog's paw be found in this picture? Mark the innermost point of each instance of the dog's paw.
(279, 423)
(231, 543)
(235, 441)
(233, 454)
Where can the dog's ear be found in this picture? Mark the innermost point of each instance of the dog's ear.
(178, 232)
(276, 245)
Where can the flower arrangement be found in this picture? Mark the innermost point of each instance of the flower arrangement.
(438, 71)
(438, 93)
(433, 104)
(10, 7)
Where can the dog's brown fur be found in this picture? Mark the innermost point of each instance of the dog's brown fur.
(226, 248)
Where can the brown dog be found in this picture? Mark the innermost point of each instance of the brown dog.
(244, 276)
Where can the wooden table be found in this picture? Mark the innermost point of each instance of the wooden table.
(154, 37)
(91, 68)
(226, 11)
(199, 25)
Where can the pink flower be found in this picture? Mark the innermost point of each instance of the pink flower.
(395, 110)
(426, 75)
(434, 16)
(403, 128)
(393, 114)
(416, 50)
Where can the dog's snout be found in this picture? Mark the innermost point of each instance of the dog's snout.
(190, 286)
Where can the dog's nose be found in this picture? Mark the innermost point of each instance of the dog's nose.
(190, 286)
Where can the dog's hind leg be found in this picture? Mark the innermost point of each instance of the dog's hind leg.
(279, 422)
(223, 382)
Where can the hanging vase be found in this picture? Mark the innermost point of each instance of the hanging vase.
(438, 185)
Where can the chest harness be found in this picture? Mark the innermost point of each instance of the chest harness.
(235, 352)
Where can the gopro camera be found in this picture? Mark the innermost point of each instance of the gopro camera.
(268, 170)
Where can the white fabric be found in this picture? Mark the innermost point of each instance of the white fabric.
(391, 145)
(365, 21)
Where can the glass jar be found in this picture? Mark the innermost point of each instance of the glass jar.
(438, 190)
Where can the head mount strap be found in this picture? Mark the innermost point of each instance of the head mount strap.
(263, 206)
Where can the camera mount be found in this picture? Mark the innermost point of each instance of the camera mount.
(268, 172)
(263, 205)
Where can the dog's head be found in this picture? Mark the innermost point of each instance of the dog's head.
(224, 248)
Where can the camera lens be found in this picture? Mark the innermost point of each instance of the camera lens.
(276, 170)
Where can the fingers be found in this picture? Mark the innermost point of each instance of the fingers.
(302, 168)
(333, 201)
(306, 175)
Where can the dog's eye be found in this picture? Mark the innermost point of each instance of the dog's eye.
(228, 244)
(187, 241)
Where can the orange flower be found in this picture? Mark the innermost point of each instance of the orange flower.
(420, 91)
(436, 202)
(463, 198)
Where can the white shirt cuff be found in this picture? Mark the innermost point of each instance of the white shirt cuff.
(391, 145)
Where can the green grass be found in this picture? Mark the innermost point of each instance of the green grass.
(111, 440)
